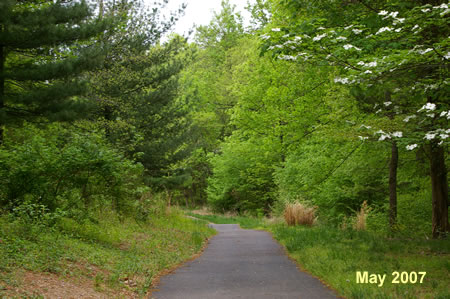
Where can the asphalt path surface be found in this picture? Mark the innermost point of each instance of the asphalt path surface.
(241, 263)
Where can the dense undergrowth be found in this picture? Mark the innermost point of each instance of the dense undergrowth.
(335, 255)
(113, 255)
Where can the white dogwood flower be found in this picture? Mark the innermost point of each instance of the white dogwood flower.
(348, 47)
(384, 137)
(393, 14)
(319, 37)
(425, 51)
(430, 136)
(428, 106)
(383, 29)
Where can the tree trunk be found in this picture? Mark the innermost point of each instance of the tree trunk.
(169, 198)
(100, 9)
(439, 191)
(186, 197)
(393, 186)
(2, 91)
(393, 166)
(283, 156)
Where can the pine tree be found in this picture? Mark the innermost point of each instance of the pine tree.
(45, 46)
(140, 107)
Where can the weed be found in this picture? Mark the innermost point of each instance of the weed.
(297, 213)
(98, 280)
(104, 252)
(361, 217)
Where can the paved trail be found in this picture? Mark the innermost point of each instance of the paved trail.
(241, 264)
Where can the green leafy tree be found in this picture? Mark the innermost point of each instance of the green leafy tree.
(242, 176)
(397, 49)
(206, 86)
(222, 32)
(261, 13)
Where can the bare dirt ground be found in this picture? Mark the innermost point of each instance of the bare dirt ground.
(52, 286)
(49, 285)
(203, 211)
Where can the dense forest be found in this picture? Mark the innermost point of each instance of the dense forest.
(108, 120)
(331, 104)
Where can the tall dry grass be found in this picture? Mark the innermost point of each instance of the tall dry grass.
(361, 217)
(299, 214)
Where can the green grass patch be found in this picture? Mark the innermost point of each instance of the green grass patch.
(336, 255)
(109, 252)
(244, 222)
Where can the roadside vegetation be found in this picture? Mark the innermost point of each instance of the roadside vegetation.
(91, 131)
(107, 256)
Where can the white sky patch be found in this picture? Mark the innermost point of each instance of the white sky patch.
(200, 12)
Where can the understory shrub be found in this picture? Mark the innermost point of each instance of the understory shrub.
(335, 175)
(413, 216)
(70, 170)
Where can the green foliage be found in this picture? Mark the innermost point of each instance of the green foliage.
(397, 49)
(337, 179)
(61, 168)
(243, 121)
(222, 32)
(45, 46)
(392, 58)
(206, 85)
(242, 177)
(105, 251)
(141, 110)
(277, 128)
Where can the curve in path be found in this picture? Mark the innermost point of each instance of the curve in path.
(241, 263)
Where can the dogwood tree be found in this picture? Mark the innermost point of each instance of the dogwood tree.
(396, 52)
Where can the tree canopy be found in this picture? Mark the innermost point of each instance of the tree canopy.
(336, 105)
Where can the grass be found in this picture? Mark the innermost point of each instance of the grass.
(244, 222)
(112, 255)
(295, 214)
(335, 255)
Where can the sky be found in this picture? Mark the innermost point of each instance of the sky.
(200, 12)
